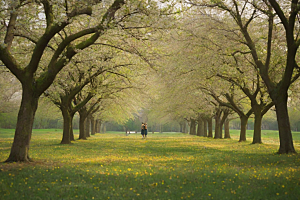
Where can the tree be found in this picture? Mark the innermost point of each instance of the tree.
(34, 77)
(248, 14)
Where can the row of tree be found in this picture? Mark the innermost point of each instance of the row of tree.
(203, 59)
(79, 54)
(233, 59)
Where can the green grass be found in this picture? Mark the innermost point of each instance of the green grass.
(164, 166)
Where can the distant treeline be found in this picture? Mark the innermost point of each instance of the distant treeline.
(8, 120)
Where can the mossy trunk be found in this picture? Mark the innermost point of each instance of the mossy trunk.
(20, 147)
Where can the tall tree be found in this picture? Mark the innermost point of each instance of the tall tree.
(257, 13)
(34, 77)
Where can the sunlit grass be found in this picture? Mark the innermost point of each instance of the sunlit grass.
(164, 166)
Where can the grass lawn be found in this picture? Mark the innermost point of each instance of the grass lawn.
(164, 166)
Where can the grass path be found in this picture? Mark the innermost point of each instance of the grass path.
(164, 166)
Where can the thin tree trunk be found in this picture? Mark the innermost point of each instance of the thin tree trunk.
(217, 124)
(87, 126)
(20, 147)
(210, 127)
(222, 121)
(99, 126)
(93, 126)
(104, 127)
(184, 129)
(204, 127)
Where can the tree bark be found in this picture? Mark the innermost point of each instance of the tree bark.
(104, 127)
(222, 121)
(226, 129)
(285, 134)
(72, 133)
(67, 127)
(20, 147)
(244, 121)
(99, 126)
(218, 124)
(193, 127)
(87, 126)
(181, 127)
(200, 127)
(93, 126)
(82, 119)
(257, 125)
(210, 127)
(204, 127)
(184, 128)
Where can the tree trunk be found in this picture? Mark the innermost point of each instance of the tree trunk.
(226, 129)
(210, 127)
(285, 134)
(87, 126)
(104, 127)
(217, 128)
(193, 127)
(82, 119)
(184, 129)
(222, 121)
(244, 121)
(204, 128)
(67, 118)
(99, 126)
(221, 130)
(181, 127)
(257, 126)
(93, 126)
(20, 147)
(200, 127)
(72, 133)
(218, 124)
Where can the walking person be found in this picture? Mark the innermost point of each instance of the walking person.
(143, 129)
